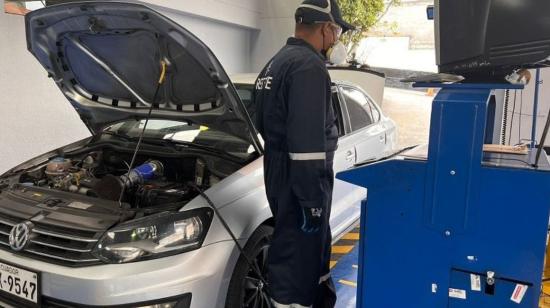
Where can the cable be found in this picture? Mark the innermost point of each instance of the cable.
(226, 226)
(542, 139)
(515, 159)
(535, 111)
(391, 155)
(138, 145)
(520, 113)
(512, 120)
(510, 159)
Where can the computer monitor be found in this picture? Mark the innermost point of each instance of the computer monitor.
(488, 39)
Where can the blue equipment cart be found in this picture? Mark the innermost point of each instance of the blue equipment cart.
(450, 225)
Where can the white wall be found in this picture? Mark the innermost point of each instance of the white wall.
(229, 42)
(276, 24)
(35, 117)
(267, 23)
(244, 13)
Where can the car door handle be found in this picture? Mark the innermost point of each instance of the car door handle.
(350, 156)
(382, 138)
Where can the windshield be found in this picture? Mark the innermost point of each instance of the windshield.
(184, 133)
(245, 92)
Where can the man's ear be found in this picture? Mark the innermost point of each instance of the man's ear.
(325, 28)
(328, 32)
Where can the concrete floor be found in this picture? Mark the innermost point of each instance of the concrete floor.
(411, 112)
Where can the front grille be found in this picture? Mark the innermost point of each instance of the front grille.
(60, 245)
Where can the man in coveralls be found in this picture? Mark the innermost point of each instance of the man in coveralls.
(296, 119)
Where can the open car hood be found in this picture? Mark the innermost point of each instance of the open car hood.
(106, 59)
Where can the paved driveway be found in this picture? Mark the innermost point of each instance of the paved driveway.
(411, 112)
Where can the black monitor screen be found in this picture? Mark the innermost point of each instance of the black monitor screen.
(491, 37)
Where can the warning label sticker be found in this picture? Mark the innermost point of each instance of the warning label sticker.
(457, 293)
(475, 282)
(518, 294)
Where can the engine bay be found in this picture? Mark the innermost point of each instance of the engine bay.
(155, 180)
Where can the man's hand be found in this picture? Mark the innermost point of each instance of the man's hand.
(311, 219)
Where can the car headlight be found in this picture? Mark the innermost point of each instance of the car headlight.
(154, 236)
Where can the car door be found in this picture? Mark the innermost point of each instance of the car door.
(346, 197)
(367, 133)
(344, 157)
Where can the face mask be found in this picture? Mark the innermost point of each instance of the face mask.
(337, 54)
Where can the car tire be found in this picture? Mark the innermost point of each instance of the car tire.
(243, 291)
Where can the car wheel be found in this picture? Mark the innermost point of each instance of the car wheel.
(245, 288)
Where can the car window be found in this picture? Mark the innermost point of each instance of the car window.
(245, 93)
(375, 113)
(358, 106)
(372, 110)
(338, 112)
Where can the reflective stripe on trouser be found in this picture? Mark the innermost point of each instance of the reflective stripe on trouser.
(297, 261)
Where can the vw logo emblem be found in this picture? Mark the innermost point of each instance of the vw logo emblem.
(19, 236)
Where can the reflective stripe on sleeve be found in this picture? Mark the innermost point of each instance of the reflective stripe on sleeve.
(308, 156)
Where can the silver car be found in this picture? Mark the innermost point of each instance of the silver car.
(97, 223)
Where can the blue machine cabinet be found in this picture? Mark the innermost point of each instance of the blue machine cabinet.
(449, 225)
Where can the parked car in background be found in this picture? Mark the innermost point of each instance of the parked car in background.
(84, 226)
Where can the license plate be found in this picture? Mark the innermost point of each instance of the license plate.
(19, 282)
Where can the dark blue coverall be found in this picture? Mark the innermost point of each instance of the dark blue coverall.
(297, 122)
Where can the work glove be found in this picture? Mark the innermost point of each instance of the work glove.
(311, 219)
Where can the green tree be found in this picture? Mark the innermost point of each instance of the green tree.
(363, 14)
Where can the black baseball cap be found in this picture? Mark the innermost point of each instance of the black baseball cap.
(312, 11)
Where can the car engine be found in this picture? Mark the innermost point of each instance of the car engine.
(105, 174)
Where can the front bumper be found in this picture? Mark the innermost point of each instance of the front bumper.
(203, 274)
